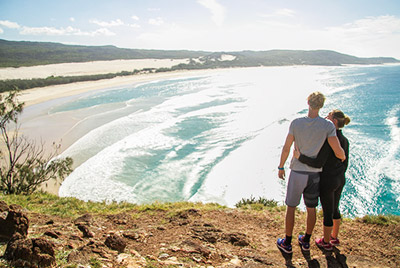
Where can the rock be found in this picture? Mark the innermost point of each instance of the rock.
(131, 260)
(163, 256)
(237, 239)
(172, 261)
(132, 235)
(35, 252)
(81, 255)
(87, 218)
(51, 234)
(207, 233)
(3, 206)
(116, 242)
(85, 230)
(193, 247)
(120, 219)
(16, 207)
(15, 222)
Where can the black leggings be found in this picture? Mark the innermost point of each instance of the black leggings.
(330, 191)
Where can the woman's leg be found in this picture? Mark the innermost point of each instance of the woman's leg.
(336, 226)
(336, 212)
(327, 207)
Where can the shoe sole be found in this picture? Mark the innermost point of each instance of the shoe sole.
(303, 248)
(327, 249)
(283, 249)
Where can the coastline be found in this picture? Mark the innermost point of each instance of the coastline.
(57, 128)
(42, 94)
(85, 68)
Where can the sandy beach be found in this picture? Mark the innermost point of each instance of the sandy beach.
(86, 68)
(37, 124)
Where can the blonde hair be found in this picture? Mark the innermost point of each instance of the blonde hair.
(342, 119)
(316, 100)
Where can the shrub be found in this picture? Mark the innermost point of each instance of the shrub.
(24, 165)
(252, 201)
(381, 219)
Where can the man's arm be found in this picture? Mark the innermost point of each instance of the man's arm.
(337, 149)
(285, 154)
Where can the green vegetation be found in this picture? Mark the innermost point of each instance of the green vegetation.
(17, 54)
(95, 263)
(49, 204)
(24, 166)
(381, 219)
(23, 84)
(256, 204)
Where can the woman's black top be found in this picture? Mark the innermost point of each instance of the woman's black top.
(331, 165)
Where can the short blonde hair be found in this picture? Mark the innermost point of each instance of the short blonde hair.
(316, 100)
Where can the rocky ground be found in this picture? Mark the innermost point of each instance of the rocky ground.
(188, 238)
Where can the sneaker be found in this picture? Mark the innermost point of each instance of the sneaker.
(285, 248)
(304, 245)
(334, 242)
(321, 244)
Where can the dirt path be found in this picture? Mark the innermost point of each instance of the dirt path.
(210, 238)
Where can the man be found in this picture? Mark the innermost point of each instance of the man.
(309, 134)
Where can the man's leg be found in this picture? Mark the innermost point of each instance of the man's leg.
(289, 222)
(310, 195)
(311, 220)
(295, 187)
(285, 244)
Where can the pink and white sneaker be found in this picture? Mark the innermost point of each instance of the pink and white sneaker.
(334, 242)
(321, 244)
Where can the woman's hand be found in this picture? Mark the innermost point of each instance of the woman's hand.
(296, 152)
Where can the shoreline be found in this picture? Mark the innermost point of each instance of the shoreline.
(33, 98)
(42, 94)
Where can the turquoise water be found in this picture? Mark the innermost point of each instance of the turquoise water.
(217, 137)
(373, 178)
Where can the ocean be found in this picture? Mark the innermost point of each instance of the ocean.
(217, 137)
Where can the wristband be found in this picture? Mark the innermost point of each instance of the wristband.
(281, 168)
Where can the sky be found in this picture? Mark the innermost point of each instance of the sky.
(363, 28)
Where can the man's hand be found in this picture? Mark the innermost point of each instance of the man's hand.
(281, 174)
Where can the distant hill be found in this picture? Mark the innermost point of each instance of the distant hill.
(16, 54)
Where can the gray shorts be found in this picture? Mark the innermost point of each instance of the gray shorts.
(302, 183)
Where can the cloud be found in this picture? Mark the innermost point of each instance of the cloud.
(285, 12)
(51, 31)
(112, 23)
(156, 21)
(9, 24)
(370, 27)
(72, 19)
(370, 36)
(135, 17)
(280, 14)
(216, 9)
(135, 26)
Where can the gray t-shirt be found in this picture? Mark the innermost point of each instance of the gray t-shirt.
(309, 135)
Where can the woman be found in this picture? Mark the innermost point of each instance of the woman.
(332, 180)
